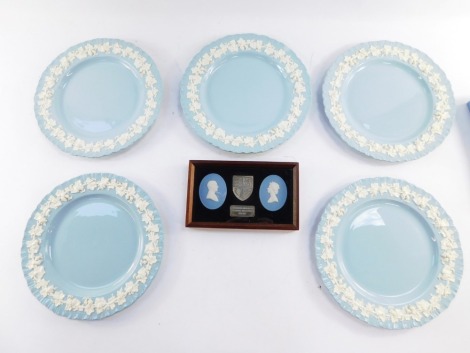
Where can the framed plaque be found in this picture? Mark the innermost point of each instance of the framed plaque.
(238, 194)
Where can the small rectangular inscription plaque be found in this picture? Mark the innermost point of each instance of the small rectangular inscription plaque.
(242, 211)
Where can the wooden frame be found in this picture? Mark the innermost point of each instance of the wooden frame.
(246, 195)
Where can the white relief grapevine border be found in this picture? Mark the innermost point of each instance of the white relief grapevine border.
(34, 268)
(231, 46)
(44, 98)
(443, 106)
(450, 254)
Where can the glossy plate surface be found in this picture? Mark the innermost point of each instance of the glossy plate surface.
(245, 93)
(92, 246)
(388, 101)
(98, 97)
(388, 253)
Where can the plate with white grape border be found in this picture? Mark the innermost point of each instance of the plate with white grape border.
(389, 101)
(245, 93)
(388, 253)
(92, 246)
(98, 97)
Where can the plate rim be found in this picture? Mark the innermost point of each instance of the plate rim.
(390, 316)
(254, 142)
(79, 307)
(434, 77)
(66, 140)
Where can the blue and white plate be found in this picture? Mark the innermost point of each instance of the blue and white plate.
(98, 97)
(92, 246)
(245, 93)
(388, 253)
(388, 101)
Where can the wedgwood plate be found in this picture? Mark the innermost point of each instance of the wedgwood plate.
(98, 97)
(245, 93)
(388, 253)
(388, 101)
(92, 246)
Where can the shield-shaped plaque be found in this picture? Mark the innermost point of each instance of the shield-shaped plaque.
(242, 186)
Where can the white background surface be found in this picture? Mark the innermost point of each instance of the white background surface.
(220, 290)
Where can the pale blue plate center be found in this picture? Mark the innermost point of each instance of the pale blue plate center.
(92, 246)
(387, 252)
(99, 96)
(246, 94)
(387, 100)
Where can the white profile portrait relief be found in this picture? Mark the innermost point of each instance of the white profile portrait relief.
(273, 190)
(212, 187)
(273, 193)
(212, 191)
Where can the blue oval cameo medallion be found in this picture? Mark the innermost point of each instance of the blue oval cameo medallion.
(273, 193)
(212, 191)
